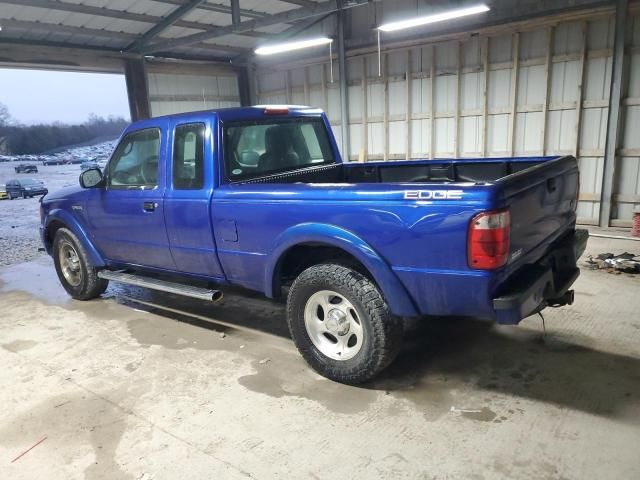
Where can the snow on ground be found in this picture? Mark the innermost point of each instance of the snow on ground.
(20, 218)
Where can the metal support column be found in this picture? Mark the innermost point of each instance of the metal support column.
(137, 91)
(614, 117)
(235, 12)
(344, 87)
(244, 86)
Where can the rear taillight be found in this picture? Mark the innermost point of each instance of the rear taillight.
(488, 242)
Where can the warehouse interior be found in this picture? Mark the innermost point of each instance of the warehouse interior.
(526, 78)
(142, 386)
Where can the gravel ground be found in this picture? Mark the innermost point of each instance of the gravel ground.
(20, 218)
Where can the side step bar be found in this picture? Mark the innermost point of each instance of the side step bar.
(162, 285)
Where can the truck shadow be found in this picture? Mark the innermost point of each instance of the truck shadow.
(461, 353)
(455, 354)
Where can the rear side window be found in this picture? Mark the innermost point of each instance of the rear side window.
(188, 156)
(135, 162)
(263, 147)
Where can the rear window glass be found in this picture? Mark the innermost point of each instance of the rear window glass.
(263, 147)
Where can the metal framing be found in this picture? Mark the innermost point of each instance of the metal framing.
(614, 116)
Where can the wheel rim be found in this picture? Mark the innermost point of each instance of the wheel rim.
(333, 325)
(70, 264)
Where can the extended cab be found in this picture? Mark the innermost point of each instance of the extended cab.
(259, 197)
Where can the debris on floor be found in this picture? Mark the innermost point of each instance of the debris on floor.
(624, 263)
(264, 360)
(42, 439)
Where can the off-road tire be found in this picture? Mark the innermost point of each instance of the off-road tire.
(91, 286)
(382, 337)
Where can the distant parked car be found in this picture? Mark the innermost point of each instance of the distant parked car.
(3, 192)
(26, 168)
(51, 161)
(87, 165)
(25, 188)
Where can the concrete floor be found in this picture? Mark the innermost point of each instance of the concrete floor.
(145, 386)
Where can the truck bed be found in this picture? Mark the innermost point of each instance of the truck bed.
(475, 170)
(374, 201)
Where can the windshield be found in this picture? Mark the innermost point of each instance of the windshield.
(263, 147)
(29, 181)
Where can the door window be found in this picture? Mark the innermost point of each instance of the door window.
(135, 162)
(188, 156)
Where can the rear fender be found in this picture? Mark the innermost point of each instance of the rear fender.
(70, 222)
(394, 293)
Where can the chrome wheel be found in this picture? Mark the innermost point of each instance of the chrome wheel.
(70, 264)
(333, 325)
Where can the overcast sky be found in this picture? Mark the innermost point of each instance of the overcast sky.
(37, 96)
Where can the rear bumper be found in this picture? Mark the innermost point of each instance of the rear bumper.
(543, 284)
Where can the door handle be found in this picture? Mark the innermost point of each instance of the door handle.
(149, 206)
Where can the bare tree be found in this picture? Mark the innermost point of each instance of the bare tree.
(5, 116)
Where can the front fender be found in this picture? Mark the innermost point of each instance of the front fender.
(394, 292)
(70, 222)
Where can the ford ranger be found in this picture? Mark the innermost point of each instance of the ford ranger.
(259, 197)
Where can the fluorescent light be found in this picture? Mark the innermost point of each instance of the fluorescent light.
(438, 17)
(289, 46)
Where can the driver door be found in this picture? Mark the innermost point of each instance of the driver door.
(127, 216)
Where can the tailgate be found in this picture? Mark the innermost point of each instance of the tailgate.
(542, 201)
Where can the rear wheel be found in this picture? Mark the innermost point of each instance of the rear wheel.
(341, 324)
(24, 195)
(77, 274)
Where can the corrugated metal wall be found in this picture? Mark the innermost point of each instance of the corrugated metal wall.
(186, 88)
(528, 92)
(627, 187)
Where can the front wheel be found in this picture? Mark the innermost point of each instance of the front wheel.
(77, 274)
(341, 324)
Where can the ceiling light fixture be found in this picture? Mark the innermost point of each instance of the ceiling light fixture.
(435, 18)
(289, 46)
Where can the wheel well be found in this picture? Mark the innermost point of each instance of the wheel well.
(52, 228)
(300, 257)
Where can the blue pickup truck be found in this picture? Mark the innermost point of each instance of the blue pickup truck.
(259, 197)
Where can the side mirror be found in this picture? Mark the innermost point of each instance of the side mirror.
(91, 178)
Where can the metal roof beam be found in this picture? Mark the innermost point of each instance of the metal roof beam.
(217, 8)
(60, 6)
(161, 26)
(300, 3)
(10, 25)
(293, 15)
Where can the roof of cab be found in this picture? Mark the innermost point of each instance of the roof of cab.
(243, 113)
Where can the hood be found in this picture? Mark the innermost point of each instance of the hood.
(64, 193)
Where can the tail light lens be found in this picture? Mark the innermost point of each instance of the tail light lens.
(276, 111)
(488, 242)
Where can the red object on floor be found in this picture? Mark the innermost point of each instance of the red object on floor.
(635, 231)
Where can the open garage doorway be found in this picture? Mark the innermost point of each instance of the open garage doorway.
(53, 124)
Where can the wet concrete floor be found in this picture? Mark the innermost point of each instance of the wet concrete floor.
(143, 385)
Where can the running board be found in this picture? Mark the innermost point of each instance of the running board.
(162, 285)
